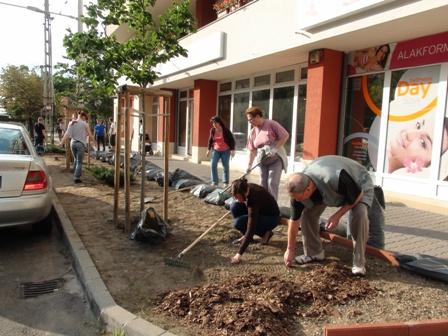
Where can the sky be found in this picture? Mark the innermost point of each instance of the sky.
(22, 31)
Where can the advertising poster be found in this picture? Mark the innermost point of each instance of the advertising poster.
(412, 114)
(369, 59)
(444, 152)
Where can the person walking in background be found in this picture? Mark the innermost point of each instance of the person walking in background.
(334, 181)
(60, 128)
(100, 135)
(112, 133)
(265, 142)
(222, 144)
(39, 132)
(255, 212)
(78, 131)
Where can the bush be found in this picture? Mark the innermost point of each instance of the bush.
(107, 175)
(54, 149)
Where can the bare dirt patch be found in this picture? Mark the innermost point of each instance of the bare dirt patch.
(303, 299)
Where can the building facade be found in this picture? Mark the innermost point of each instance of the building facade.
(366, 79)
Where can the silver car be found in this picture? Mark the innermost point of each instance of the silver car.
(25, 184)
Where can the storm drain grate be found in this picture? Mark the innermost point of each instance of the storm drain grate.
(33, 289)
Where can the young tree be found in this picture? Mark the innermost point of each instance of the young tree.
(96, 100)
(101, 58)
(21, 92)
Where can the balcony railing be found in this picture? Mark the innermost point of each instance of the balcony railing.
(224, 7)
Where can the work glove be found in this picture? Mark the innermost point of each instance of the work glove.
(270, 150)
(261, 154)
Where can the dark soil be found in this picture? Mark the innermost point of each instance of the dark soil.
(259, 305)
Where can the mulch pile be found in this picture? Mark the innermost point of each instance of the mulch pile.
(258, 305)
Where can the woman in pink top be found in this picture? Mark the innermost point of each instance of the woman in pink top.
(266, 141)
(222, 144)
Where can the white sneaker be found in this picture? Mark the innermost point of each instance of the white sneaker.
(305, 259)
(358, 270)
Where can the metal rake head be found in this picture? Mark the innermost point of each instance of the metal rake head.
(176, 262)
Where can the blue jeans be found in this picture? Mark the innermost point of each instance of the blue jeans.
(265, 223)
(225, 158)
(78, 154)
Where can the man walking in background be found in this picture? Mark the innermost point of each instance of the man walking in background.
(77, 131)
(100, 135)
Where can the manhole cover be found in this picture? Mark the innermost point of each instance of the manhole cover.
(33, 289)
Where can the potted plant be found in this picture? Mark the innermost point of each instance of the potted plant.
(222, 7)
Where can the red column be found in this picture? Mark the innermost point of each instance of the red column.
(322, 105)
(205, 100)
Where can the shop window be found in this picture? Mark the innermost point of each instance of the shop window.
(190, 94)
(224, 103)
(182, 123)
(304, 73)
(282, 110)
(411, 121)
(182, 94)
(242, 84)
(300, 127)
(262, 80)
(362, 119)
(284, 76)
(261, 99)
(240, 104)
(225, 86)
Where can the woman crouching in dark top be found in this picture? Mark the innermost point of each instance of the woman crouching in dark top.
(255, 212)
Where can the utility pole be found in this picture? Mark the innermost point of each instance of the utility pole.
(48, 79)
(80, 5)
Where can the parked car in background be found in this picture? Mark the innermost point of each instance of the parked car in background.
(25, 184)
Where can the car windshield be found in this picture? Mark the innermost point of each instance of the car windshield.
(12, 142)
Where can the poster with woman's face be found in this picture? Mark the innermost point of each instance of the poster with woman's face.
(444, 151)
(369, 59)
(412, 113)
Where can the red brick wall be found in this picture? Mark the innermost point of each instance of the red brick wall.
(322, 105)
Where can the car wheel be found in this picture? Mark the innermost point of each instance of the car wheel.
(45, 225)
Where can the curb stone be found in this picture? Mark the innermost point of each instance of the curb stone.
(102, 303)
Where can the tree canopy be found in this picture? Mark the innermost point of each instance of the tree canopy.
(101, 58)
(21, 92)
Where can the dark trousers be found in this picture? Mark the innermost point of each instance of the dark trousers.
(100, 140)
(265, 223)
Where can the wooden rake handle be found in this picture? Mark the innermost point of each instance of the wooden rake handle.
(189, 247)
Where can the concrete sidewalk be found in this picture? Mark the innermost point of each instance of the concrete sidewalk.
(413, 225)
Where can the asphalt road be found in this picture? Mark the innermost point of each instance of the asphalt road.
(27, 257)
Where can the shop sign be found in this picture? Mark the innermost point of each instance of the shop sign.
(421, 51)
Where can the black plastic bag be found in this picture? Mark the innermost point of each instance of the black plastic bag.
(151, 228)
(425, 265)
(217, 197)
(202, 190)
(180, 174)
(160, 178)
(228, 203)
(184, 183)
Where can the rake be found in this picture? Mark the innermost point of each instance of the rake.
(177, 261)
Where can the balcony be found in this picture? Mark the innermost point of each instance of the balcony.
(224, 7)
